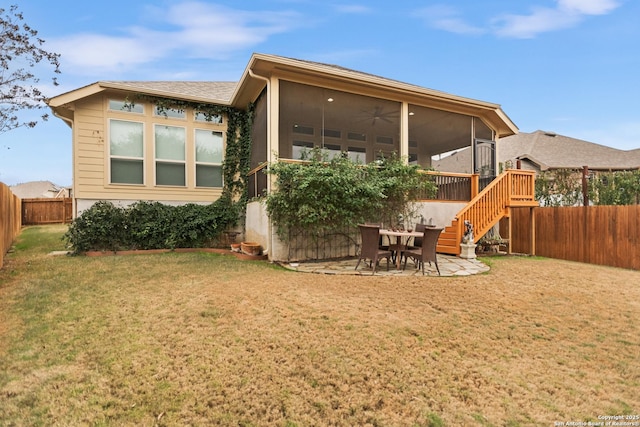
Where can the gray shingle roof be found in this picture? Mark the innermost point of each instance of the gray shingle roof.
(548, 150)
(214, 91)
(35, 189)
(552, 151)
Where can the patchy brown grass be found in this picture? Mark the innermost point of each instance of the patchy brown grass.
(195, 339)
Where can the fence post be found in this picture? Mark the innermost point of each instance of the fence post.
(585, 187)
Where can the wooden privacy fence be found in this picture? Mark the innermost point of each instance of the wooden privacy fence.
(604, 235)
(9, 219)
(47, 211)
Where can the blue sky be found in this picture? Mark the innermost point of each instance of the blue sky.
(568, 66)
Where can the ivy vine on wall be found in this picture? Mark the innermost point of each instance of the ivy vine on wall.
(236, 163)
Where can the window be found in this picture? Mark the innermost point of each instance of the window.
(332, 133)
(357, 154)
(169, 113)
(332, 151)
(384, 140)
(170, 155)
(304, 130)
(209, 118)
(117, 105)
(209, 148)
(357, 136)
(126, 152)
(301, 150)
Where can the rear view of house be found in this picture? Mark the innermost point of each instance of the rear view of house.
(126, 149)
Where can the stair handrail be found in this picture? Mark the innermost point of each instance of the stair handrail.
(512, 187)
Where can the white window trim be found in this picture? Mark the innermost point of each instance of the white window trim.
(195, 157)
(156, 159)
(203, 120)
(169, 116)
(110, 156)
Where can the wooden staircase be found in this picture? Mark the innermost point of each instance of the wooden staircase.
(512, 188)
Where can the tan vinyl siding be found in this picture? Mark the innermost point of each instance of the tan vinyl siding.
(92, 160)
(89, 145)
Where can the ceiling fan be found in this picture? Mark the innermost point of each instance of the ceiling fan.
(378, 113)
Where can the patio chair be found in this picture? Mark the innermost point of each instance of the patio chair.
(427, 251)
(417, 241)
(370, 248)
(381, 243)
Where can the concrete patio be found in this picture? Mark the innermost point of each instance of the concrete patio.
(450, 266)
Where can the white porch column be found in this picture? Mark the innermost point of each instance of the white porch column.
(404, 132)
(273, 124)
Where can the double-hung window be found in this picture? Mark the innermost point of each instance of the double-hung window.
(170, 155)
(126, 152)
(209, 147)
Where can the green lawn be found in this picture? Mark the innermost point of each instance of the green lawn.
(207, 339)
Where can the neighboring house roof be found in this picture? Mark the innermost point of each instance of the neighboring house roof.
(548, 150)
(262, 66)
(542, 151)
(37, 189)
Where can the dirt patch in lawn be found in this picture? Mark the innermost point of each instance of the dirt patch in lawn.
(203, 339)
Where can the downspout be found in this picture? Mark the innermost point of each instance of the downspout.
(268, 85)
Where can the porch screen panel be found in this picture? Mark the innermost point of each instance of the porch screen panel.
(434, 134)
(336, 122)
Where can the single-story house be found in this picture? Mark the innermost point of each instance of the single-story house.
(127, 151)
(39, 189)
(542, 151)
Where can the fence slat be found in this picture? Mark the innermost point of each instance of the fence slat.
(604, 235)
(10, 219)
(46, 211)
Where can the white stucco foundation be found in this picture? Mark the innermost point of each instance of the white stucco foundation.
(259, 229)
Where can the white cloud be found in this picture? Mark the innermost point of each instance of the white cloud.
(444, 17)
(541, 20)
(353, 8)
(566, 14)
(588, 7)
(189, 29)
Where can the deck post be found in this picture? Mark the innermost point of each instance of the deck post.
(475, 185)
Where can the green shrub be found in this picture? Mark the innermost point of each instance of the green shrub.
(100, 227)
(324, 196)
(150, 225)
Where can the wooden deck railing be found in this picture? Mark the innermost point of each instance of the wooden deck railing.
(453, 186)
(513, 188)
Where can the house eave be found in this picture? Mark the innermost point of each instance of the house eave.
(102, 86)
(268, 66)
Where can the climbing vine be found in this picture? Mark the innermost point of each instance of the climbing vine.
(324, 196)
(236, 163)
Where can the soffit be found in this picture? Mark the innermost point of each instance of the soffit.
(339, 78)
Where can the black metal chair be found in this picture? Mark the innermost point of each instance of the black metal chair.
(427, 251)
(370, 248)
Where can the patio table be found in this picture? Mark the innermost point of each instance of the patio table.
(402, 241)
